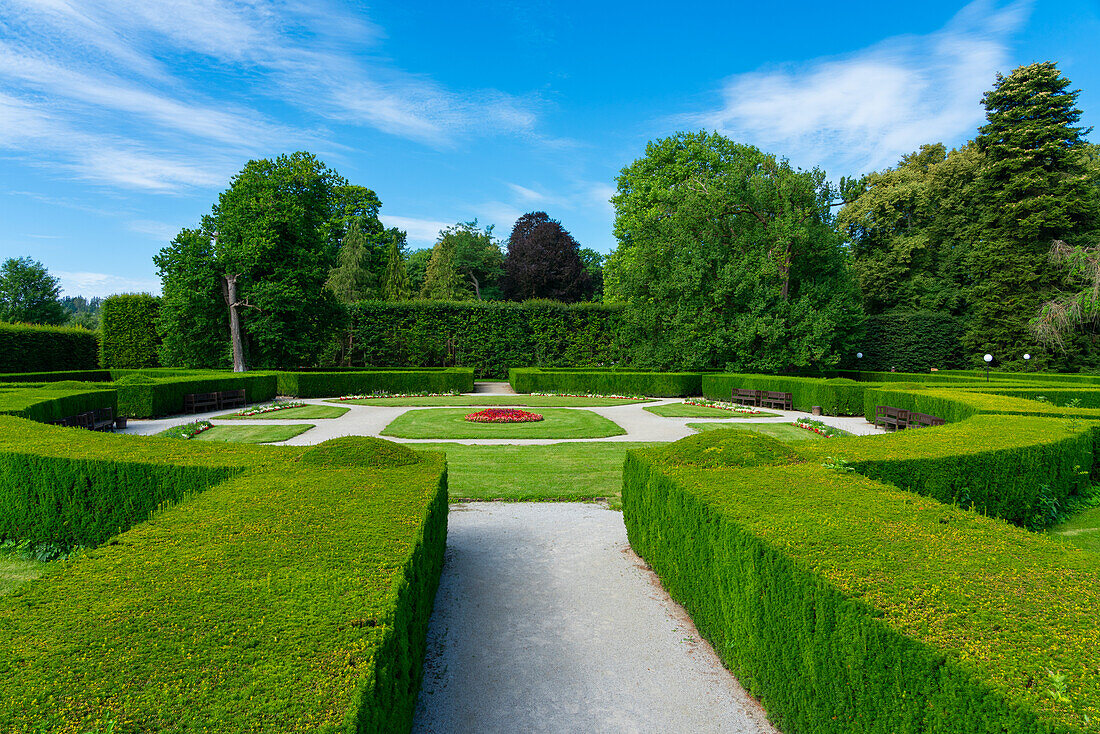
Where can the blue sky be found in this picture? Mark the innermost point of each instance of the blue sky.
(121, 120)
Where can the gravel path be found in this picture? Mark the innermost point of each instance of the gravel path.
(546, 621)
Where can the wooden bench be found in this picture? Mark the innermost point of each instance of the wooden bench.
(103, 419)
(200, 402)
(923, 420)
(891, 418)
(231, 399)
(745, 397)
(777, 400)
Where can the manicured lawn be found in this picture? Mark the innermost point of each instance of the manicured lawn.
(561, 471)
(16, 571)
(680, 410)
(451, 423)
(1083, 529)
(306, 412)
(782, 431)
(252, 434)
(522, 401)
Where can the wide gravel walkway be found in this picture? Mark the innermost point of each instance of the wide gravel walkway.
(546, 621)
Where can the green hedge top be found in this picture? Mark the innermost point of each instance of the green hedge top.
(955, 404)
(54, 402)
(1000, 605)
(292, 597)
(25, 348)
(606, 382)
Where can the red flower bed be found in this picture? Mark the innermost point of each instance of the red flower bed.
(503, 415)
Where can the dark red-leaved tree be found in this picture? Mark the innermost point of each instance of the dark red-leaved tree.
(544, 261)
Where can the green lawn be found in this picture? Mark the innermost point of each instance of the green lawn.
(252, 434)
(16, 571)
(561, 471)
(522, 401)
(680, 410)
(782, 431)
(1083, 529)
(306, 412)
(451, 423)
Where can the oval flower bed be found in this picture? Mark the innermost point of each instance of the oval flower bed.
(503, 415)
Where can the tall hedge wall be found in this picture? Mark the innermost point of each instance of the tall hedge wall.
(26, 348)
(128, 338)
(606, 382)
(912, 342)
(850, 607)
(489, 336)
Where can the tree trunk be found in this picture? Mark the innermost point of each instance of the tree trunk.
(229, 290)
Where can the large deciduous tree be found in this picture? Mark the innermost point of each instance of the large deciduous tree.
(728, 258)
(273, 238)
(544, 261)
(29, 294)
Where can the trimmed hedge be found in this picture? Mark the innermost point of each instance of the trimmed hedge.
(913, 341)
(1011, 467)
(128, 337)
(53, 402)
(839, 396)
(487, 336)
(848, 606)
(606, 382)
(335, 384)
(78, 375)
(293, 597)
(956, 404)
(148, 397)
(25, 348)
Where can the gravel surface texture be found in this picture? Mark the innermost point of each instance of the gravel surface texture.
(546, 621)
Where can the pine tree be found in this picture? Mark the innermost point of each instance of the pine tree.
(395, 282)
(1035, 190)
(442, 281)
(351, 279)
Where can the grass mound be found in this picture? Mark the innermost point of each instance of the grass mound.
(360, 451)
(717, 449)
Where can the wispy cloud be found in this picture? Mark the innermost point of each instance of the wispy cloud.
(162, 232)
(90, 285)
(864, 111)
(116, 91)
(419, 233)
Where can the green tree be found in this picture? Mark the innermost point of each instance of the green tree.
(192, 321)
(442, 281)
(477, 258)
(1036, 188)
(728, 258)
(593, 265)
(416, 267)
(274, 239)
(395, 280)
(29, 294)
(353, 279)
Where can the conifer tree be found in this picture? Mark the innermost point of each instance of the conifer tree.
(351, 279)
(442, 281)
(395, 282)
(1036, 189)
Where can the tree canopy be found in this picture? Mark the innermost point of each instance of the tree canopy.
(29, 294)
(544, 261)
(728, 258)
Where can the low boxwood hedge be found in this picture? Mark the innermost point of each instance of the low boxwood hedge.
(606, 382)
(80, 375)
(148, 397)
(292, 597)
(1018, 468)
(849, 606)
(54, 401)
(956, 404)
(839, 396)
(335, 384)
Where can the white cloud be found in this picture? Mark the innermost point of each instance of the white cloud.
(864, 111)
(162, 232)
(419, 232)
(90, 285)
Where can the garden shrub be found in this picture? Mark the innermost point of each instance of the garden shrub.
(847, 606)
(487, 336)
(838, 396)
(128, 337)
(292, 596)
(25, 348)
(363, 451)
(335, 384)
(606, 382)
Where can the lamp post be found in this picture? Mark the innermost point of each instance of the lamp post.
(988, 358)
(859, 365)
(1027, 359)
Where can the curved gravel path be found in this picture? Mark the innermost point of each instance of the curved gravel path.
(546, 621)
